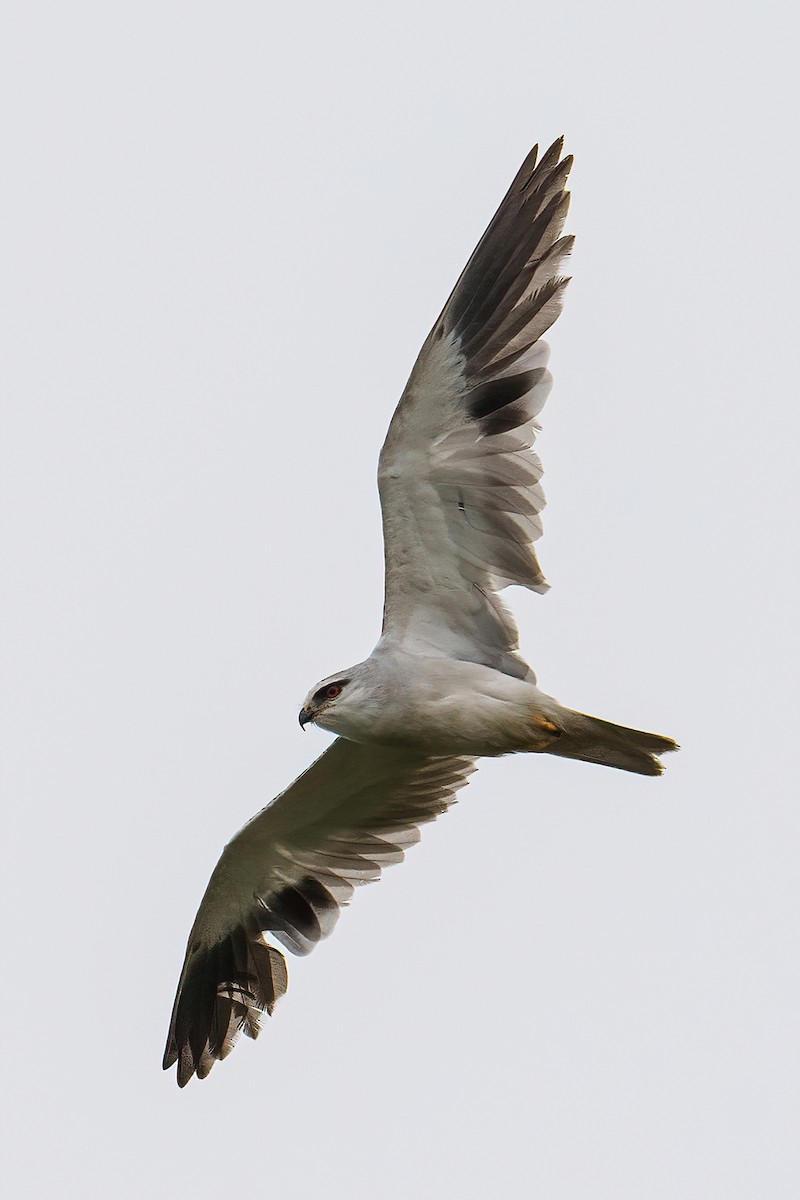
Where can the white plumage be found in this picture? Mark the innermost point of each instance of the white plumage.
(461, 501)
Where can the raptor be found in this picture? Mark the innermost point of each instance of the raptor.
(461, 499)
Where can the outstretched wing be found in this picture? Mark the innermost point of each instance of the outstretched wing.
(287, 873)
(458, 480)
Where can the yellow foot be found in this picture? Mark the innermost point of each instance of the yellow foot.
(547, 726)
(546, 732)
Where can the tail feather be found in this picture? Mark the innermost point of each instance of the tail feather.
(593, 740)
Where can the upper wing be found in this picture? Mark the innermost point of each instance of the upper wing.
(459, 483)
(353, 812)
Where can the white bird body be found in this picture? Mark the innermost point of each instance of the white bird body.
(461, 500)
(438, 706)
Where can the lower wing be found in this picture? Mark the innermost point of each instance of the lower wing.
(287, 873)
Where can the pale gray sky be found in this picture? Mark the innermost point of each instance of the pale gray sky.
(227, 229)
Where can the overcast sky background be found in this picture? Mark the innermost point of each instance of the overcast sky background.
(226, 231)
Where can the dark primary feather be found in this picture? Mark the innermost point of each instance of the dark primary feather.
(287, 873)
(498, 299)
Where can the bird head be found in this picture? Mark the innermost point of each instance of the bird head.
(333, 693)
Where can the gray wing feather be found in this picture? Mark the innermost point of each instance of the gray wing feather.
(458, 479)
(287, 873)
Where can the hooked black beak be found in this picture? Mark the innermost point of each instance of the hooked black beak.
(305, 717)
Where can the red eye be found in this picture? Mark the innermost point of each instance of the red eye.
(333, 690)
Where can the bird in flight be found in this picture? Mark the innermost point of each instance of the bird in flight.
(461, 499)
